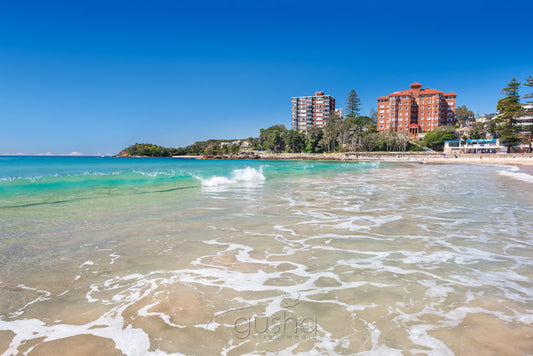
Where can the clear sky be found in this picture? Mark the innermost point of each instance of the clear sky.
(96, 76)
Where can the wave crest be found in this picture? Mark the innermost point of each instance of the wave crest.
(242, 177)
(517, 175)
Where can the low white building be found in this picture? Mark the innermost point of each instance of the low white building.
(525, 121)
(474, 146)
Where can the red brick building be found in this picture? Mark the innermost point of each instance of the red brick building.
(415, 109)
(311, 110)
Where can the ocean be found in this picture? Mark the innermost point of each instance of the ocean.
(157, 256)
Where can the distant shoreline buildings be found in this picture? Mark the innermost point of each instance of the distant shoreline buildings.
(311, 110)
(409, 111)
(415, 110)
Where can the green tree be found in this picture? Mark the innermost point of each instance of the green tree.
(509, 108)
(275, 142)
(528, 127)
(353, 104)
(374, 119)
(331, 131)
(235, 148)
(477, 131)
(271, 138)
(211, 150)
(313, 137)
(435, 139)
(350, 131)
(294, 141)
(346, 131)
(146, 149)
(364, 123)
(464, 115)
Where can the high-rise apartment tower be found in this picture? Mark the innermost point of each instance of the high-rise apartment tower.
(311, 110)
(415, 109)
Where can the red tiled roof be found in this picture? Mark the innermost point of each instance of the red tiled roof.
(401, 92)
(410, 92)
(430, 91)
(416, 84)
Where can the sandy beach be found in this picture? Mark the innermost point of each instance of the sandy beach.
(484, 159)
(490, 159)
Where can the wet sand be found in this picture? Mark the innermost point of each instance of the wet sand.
(384, 258)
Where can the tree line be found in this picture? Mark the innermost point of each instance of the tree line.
(358, 132)
(513, 122)
(355, 132)
(199, 148)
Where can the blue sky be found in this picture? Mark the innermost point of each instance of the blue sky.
(96, 76)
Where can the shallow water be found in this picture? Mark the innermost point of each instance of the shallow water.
(162, 256)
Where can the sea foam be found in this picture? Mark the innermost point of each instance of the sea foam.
(517, 175)
(241, 177)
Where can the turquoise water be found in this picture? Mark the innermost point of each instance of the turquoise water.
(178, 256)
(46, 180)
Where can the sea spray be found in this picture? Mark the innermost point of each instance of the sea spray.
(242, 177)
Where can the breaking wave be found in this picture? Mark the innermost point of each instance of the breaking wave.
(242, 177)
(515, 174)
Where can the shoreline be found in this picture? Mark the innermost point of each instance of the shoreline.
(433, 158)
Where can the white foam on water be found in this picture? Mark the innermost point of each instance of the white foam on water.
(247, 177)
(515, 174)
(43, 295)
(132, 288)
(426, 277)
(87, 263)
(114, 257)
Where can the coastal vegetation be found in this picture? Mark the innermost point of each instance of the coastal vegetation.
(513, 122)
(337, 135)
(464, 116)
(509, 108)
(145, 149)
(528, 128)
(435, 139)
(357, 133)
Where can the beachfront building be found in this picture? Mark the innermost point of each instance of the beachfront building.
(474, 146)
(340, 112)
(485, 118)
(525, 128)
(415, 110)
(311, 110)
(524, 125)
